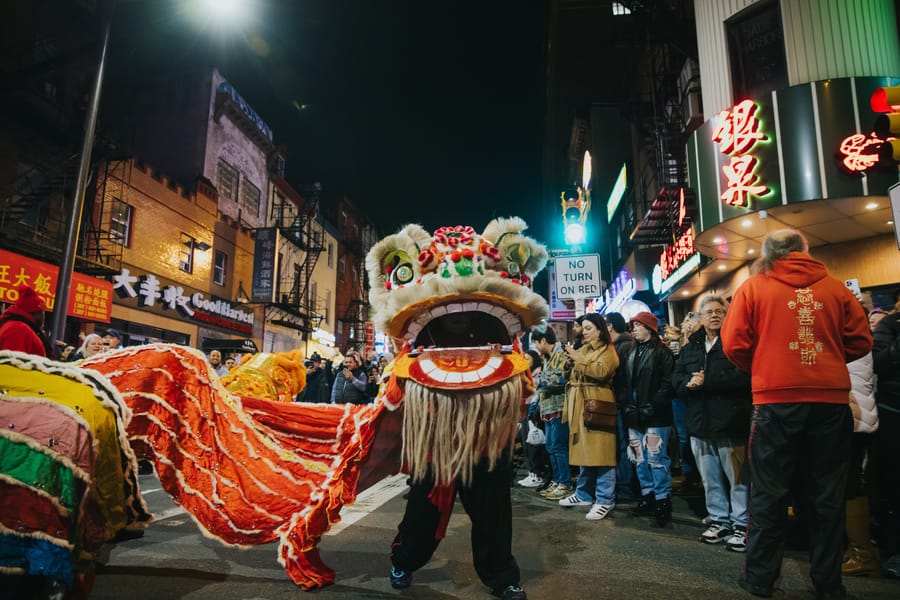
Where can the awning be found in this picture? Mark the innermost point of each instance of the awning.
(666, 217)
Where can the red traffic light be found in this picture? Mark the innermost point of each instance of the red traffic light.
(885, 99)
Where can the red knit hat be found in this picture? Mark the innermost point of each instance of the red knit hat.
(647, 319)
(29, 301)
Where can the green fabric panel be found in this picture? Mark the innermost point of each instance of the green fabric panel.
(38, 470)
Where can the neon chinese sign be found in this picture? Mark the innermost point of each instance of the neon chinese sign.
(737, 131)
(859, 152)
(677, 253)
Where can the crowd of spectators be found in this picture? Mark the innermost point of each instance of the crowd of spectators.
(698, 394)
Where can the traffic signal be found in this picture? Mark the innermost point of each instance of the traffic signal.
(886, 100)
(574, 212)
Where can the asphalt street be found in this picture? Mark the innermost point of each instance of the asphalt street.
(561, 555)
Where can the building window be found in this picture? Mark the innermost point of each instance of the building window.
(228, 181)
(220, 264)
(756, 51)
(330, 255)
(186, 253)
(120, 222)
(250, 198)
(341, 270)
(313, 297)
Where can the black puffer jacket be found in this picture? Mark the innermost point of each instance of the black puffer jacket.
(886, 353)
(721, 408)
(646, 399)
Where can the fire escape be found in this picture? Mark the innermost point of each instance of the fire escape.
(356, 312)
(667, 110)
(301, 241)
(42, 123)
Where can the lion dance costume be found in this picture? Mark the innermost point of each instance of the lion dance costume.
(456, 304)
(251, 467)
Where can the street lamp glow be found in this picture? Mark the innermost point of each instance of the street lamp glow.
(225, 14)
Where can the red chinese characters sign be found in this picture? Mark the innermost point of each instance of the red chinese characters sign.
(737, 131)
(676, 254)
(90, 298)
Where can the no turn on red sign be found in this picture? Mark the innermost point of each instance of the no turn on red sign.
(577, 276)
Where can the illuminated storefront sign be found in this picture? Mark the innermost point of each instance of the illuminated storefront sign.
(90, 298)
(737, 131)
(859, 152)
(620, 290)
(676, 254)
(152, 293)
(661, 286)
(676, 261)
(617, 193)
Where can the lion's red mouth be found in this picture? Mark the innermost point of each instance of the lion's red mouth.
(461, 368)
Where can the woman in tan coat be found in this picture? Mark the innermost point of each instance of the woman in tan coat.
(593, 450)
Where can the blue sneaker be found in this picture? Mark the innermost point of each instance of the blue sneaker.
(400, 579)
(510, 592)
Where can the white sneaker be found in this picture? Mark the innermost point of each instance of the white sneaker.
(716, 533)
(599, 511)
(574, 500)
(532, 481)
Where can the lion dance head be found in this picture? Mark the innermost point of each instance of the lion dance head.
(455, 304)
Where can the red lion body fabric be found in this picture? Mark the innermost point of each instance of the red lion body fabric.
(248, 470)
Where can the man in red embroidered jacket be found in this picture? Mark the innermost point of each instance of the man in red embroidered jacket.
(794, 328)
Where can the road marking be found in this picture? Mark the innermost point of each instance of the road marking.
(169, 513)
(150, 491)
(369, 500)
(366, 502)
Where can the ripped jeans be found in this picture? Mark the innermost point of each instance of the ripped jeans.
(647, 450)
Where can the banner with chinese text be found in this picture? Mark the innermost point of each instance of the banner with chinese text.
(89, 298)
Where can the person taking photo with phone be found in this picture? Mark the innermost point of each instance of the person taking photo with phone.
(349, 384)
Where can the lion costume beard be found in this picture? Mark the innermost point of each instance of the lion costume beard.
(455, 429)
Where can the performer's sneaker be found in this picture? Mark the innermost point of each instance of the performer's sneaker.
(510, 592)
(400, 579)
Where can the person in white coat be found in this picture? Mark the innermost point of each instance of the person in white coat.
(860, 557)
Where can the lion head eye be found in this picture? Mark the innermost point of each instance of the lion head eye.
(398, 267)
(403, 274)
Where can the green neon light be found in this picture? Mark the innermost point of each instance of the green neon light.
(616, 195)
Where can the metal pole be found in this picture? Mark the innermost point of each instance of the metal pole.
(64, 278)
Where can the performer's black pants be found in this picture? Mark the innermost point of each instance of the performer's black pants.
(488, 505)
(783, 438)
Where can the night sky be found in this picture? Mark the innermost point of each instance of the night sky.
(428, 112)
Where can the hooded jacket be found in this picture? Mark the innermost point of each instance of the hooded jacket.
(794, 329)
(19, 332)
(720, 409)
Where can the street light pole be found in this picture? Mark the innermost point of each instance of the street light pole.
(64, 277)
